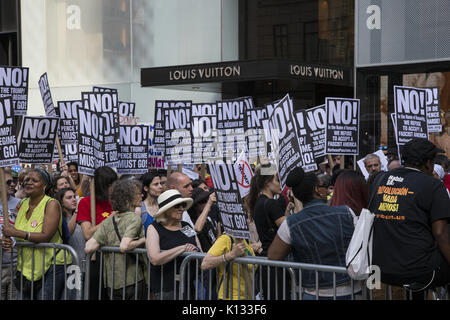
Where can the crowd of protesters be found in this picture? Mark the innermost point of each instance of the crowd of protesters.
(311, 221)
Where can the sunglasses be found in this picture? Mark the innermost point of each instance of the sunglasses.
(8, 182)
(180, 205)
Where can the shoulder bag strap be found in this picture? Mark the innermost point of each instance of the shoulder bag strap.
(116, 229)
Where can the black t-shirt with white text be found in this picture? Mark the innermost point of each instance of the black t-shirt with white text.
(406, 204)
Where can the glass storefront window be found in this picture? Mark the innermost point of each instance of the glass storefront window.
(375, 89)
(315, 31)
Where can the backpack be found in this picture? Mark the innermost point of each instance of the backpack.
(358, 257)
(65, 234)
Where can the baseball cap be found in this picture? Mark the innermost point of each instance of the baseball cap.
(418, 150)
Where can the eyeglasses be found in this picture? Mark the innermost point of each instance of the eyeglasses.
(382, 148)
(8, 182)
(180, 205)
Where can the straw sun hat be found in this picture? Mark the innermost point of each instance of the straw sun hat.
(169, 199)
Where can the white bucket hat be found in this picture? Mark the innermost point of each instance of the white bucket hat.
(171, 198)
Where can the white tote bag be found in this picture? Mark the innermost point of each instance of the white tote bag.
(359, 252)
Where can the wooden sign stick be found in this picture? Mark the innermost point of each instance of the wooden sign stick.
(4, 196)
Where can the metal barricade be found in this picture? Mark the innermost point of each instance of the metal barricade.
(270, 280)
(72, 273)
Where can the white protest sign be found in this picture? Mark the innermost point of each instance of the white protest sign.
(204, 131)
(316, 121)
(133, 150)
(244, 173)
(433, 110)
(14, 84)
(126, 109)
(228, 200)
(37, 139)
(284, 139)
(256, 138)
(46, 95)
(155, 158)
(159, 142)
(342, 130)
(105, 104)
(177, 130)
(383, 160)
(231, 123)
(410, 113)
(8, 143)
(90, 141)
(68, 125)
(306, 142)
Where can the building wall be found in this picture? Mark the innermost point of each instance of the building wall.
(85, 43)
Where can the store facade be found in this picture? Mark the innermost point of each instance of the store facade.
(404, 43)
(85, 43)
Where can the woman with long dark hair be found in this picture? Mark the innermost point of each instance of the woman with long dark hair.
(268, 212)
(104, 177)
(151, 190)
(68, 200)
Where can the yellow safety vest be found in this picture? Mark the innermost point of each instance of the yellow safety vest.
(34, 224)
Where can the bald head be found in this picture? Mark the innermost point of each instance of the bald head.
(180, 182)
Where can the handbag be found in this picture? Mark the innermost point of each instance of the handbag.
(358, 257)
(359, 251)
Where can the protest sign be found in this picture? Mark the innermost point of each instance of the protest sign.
(71, 152)
(266, 112)
(37, 139)
(383, 160)
(231, 123)
(46, 95)
(14, 83)
(410, 113)
(68, 125)
(284, 139)
(433, 110)
(204, 132)
(228, 199)
(342, 130)
(243, 173)
(155, 158)
(305, 141)
(91, 154)
(126, 109)
(316, 121)
(256, 139)
(133, 150)
(177, 127)
(103, 89)
(105, 104)
(159, 142)
(8, 143)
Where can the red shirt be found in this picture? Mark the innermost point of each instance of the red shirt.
(103, 210)
(447, 181)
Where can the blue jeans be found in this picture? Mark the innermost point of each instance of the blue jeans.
(46, 292)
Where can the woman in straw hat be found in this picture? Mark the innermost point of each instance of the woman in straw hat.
(168, 237)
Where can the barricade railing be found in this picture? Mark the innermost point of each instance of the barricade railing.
(70, 281)
(270, 280)
(267, 280)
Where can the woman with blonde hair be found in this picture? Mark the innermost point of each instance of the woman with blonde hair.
(167, 238)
